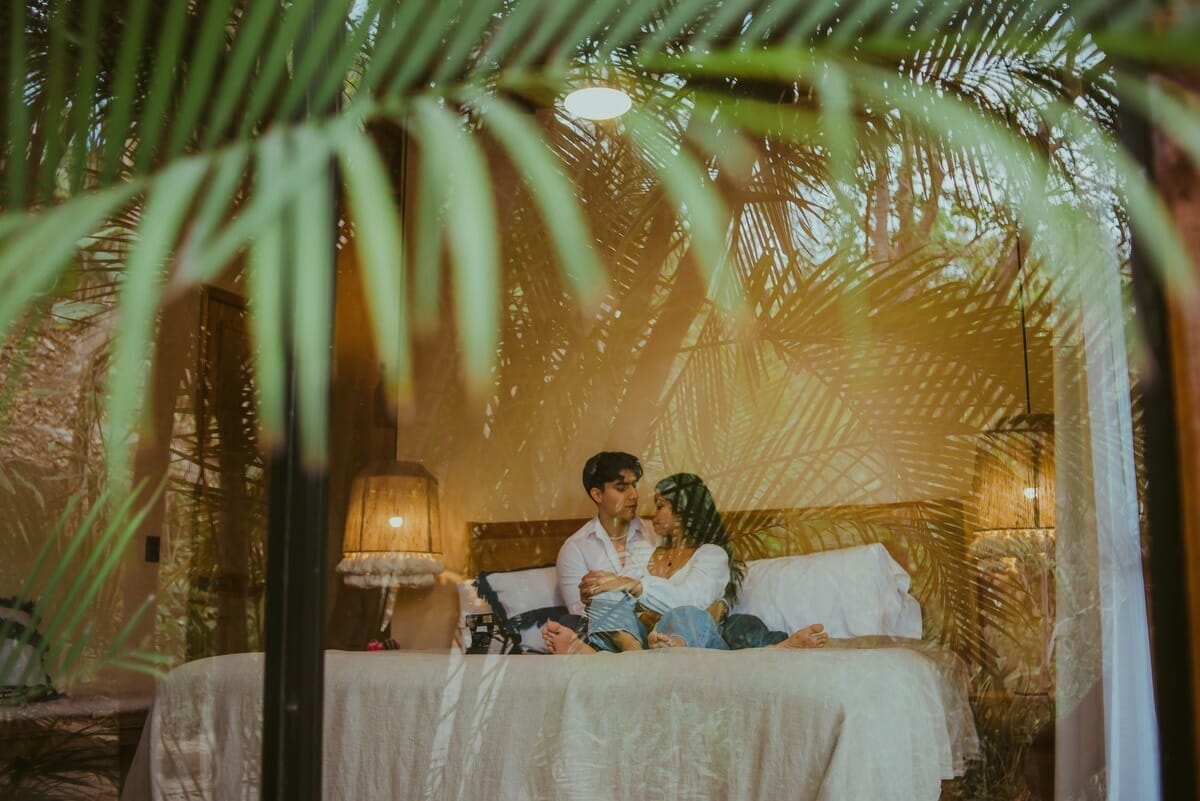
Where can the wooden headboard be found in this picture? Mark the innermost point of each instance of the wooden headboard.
(925, 537)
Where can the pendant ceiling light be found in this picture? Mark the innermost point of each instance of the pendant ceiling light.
(1014, 466)
(597, 103)
(1011, 515)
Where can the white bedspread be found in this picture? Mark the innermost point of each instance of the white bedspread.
(841, 724)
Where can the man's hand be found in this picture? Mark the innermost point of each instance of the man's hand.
(598, 581)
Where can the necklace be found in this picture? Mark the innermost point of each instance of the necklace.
(669, 556)
(620, 547)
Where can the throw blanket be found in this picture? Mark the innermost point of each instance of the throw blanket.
(850, 722)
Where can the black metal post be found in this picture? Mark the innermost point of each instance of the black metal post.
(1164, 507)
(294, 670)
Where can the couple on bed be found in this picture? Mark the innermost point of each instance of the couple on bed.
(624, 594)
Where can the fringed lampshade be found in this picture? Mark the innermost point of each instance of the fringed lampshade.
(392, 536)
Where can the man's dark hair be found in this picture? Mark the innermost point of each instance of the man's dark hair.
(606, 466)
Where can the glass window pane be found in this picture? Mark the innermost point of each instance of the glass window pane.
(808, 376)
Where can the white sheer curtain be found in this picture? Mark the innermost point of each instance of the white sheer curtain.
(1107, 736)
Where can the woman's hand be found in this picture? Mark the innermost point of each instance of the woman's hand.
(598, 581)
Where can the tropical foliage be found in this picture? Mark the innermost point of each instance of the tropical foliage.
(215, 126)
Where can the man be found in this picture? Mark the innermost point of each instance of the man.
(615, 541)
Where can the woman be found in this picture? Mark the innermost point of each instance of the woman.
(691, 578)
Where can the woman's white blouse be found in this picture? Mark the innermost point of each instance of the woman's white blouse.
(698, 583)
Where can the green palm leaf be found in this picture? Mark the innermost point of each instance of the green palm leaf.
(474, 256)
(380, 247)
(170, 197)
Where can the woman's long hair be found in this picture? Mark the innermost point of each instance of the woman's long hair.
(702, 524)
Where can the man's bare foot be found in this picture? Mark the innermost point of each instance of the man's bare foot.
(813, 636)
(659, 640)
(561, 640)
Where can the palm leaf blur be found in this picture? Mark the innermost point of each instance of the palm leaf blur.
(170, 111)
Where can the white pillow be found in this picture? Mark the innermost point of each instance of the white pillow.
(852, 592)
(524, 600)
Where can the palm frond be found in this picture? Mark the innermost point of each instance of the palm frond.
(974, 88)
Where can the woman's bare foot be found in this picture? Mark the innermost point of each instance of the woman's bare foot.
(813, 636)
(562, 640)
(659, 640)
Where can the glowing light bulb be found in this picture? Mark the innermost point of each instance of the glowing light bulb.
(1029, 492)
(396, 522)
(597, 103)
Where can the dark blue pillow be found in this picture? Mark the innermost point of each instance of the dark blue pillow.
(524, 600)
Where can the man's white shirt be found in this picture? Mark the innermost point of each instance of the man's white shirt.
(590, 548)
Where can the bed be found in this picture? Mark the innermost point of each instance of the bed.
(871, 717)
